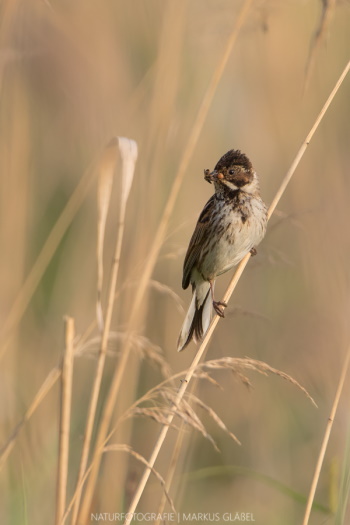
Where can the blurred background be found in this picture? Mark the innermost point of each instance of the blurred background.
(72, 76)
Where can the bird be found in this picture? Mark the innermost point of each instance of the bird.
(231, 224)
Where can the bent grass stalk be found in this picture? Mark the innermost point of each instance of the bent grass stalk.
(227, 295)
(154, 251)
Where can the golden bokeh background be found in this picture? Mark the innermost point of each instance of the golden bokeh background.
(72, 76)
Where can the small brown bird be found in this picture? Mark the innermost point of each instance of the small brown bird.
(232, 222)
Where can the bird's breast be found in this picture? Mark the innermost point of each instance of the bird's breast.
(235, 229)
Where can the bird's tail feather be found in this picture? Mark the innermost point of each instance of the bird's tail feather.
(197, 319)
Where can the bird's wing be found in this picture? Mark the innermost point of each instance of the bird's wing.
(196, 242)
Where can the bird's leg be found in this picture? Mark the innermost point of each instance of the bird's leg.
(253, 252)
(217, 305)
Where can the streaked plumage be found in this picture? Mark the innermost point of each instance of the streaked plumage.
(232, 222)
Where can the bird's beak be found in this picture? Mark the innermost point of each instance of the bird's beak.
(213, 176)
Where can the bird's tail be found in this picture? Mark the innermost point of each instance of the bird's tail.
(198, 317)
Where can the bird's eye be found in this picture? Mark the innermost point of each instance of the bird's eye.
(231, 172)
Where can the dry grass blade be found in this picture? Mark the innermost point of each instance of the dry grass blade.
(128, 151)
(157, 243)
(243, 312)
(236, 364)
(214, 417)
(170, 396)
(141, 344)
(51, 244)
(129, 450)
(328, 7)
(105, 182)
(184, 411)
(234, 368)
(344, 488)
(306, 142)
(44, 389)
(164, 289)
(158, 414)
(189, 416)
(229, 292)
(207, 377)
(326, 438)
(151, 352)
(66, 402)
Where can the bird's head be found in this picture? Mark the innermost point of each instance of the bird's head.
(233, 172)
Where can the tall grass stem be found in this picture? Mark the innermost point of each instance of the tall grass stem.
(326, 436)
(65, 412)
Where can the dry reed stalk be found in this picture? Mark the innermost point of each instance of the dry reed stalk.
(326, 438)
(64, 427)
(105, 182)
(154, 251)
(226, 298)
(128, 152)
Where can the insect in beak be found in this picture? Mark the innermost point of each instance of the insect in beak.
(207, 176)
(211, 177)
